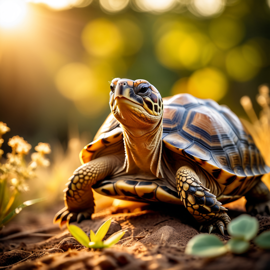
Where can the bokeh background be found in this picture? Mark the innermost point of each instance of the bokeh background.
(57, 58)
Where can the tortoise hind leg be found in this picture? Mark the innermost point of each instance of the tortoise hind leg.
(78, 197)
(258, 199)
(202, 204)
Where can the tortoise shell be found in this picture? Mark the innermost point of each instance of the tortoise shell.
(202, 131)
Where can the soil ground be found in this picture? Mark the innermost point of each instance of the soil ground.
(156, 238)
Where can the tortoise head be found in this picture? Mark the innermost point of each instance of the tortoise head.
(135, 103)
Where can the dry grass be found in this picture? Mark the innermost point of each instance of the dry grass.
(259, 126)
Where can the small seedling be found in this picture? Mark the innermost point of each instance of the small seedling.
(242, 229)
(95, 240)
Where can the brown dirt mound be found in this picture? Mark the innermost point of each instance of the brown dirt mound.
(155, 239)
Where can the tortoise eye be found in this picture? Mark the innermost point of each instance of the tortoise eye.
(143, 90)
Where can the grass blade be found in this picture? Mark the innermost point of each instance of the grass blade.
(16, 211)
(10, 202)
(103, 229)
(113, 239)
(79, 235)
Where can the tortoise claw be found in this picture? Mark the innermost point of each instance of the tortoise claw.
(58, 215)
(83, 216)
(80, 218)
(221, 224)
(65, 215)
(210, 229)
(221, 229)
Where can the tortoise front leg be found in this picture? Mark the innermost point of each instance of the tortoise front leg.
(78, 197)
(202, 204)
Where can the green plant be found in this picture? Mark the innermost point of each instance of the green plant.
(242, 229)
(95, 240)
(15, 173)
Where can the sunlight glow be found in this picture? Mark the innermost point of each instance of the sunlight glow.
(182, 48)
(62, 4)
(102, 38)
(12, 13)
(207, 7)
(155, 5)
(203, 83)
(113, 5)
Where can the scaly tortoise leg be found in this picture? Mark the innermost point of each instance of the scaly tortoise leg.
(258, 199)
(78, 197)
(202, 204)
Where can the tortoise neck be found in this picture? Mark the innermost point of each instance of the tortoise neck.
(144, 152)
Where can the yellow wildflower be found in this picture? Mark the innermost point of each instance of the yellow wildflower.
(19, 145)
(1, 141)
(38, 159)
(14, 159)
(43, 148)
(23, 148)
(3, 128)
(15, 141)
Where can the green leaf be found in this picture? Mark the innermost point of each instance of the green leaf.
(17, 210)
(113, 239)
(103, 229)
(93, 237)
(98, 244)
(263, 240)
(238, 246)
(206, 245)
(244, 227)
(79, 234)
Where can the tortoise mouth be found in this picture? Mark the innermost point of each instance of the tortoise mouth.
(145, 106)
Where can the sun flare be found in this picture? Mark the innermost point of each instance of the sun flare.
(12, 13)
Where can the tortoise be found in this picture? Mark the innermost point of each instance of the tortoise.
(179, 150)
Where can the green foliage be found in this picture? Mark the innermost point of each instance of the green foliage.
(95, 240)
(204, 244)
(263, 240)
(237, 246)
(79, 234)
(242, 229)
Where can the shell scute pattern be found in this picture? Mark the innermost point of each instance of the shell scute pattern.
(213, 136)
